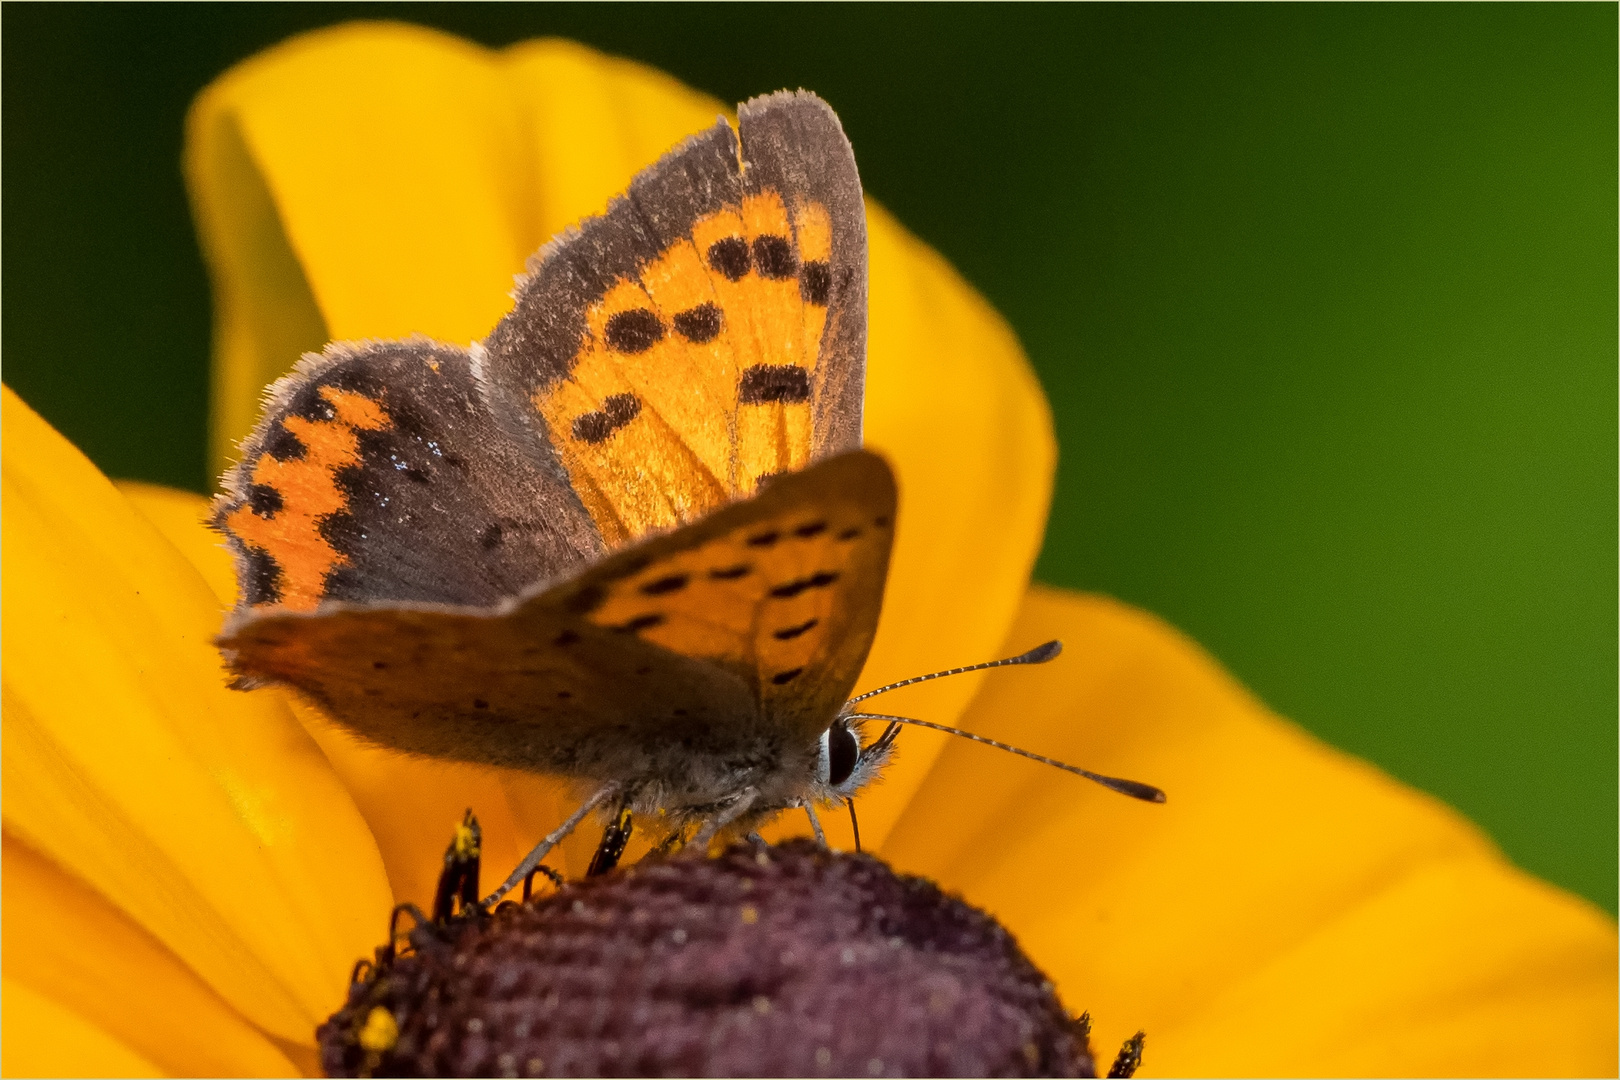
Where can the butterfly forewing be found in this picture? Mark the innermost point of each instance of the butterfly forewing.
(708, 331)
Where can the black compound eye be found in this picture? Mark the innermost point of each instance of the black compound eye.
(843, 751)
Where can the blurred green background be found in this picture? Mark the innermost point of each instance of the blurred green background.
(1324, 298)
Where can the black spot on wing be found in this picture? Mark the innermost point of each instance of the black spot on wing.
(730, 257)
(815, 283)
(633, 331)
(788, 633)
(819, 580)
(850, 533)
(782, 678)
(699, 324)
(640, 622)
(809, 529)
(265, 500)
(730, 573)
(567, 637)
(764, 539)
(617, 410)
(282, 444)
(672, 583)
(261, 578)
(773, 257)
(773, 382)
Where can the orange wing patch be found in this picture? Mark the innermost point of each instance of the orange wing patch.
(778, 599)
(291, 494)
(773, 415)
(619, 416)
(693, 382)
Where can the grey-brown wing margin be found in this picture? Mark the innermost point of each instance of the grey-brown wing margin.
(533, 683)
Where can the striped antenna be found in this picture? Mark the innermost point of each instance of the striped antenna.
(1040, 654)
(1145, 792)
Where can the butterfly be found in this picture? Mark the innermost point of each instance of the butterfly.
(630, 538)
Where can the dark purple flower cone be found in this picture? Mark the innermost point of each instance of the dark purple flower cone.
(782, 961)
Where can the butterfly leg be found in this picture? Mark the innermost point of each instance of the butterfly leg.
(555, 837)
(745, 799)
(1130, 1057)
(528, 880)
(614, 839)
(815, 825)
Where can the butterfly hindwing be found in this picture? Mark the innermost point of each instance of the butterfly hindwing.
(704, 334)
(376, 474)
(745, 629)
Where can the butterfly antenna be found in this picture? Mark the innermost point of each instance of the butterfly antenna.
(1040, 654)
(855, 825)
(1145, 792)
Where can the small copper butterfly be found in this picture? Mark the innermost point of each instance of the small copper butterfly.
(630, 538)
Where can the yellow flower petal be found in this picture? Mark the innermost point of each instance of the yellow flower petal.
(378, 172)
(38, 1037)
(952, 401)
(206, 815)
(1464, 967)
(181, 516)
(68, 944)
(594, 122)
(1289, 911)
(414, 804)
(542, 134)
(363, 137)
